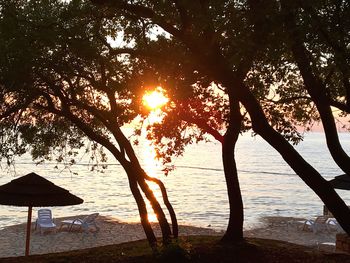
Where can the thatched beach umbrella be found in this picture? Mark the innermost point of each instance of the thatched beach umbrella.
(33, 190)
(341, 182)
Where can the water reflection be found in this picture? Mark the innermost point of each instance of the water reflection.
(196, 188)
(151, 166)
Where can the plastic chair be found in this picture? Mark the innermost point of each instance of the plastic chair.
(332, 224)
(84, 223)
(316, 225)
(45, 220)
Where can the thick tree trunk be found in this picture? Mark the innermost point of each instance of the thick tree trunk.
(234, 231)
(216, 65)
(305, 171)
(316, 89)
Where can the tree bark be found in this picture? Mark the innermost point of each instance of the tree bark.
(234, 231)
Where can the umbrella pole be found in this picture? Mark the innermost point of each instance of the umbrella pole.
(29, 224)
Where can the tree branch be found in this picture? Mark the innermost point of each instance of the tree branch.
(340, 105)
(288, 100)
(85, 128)
(203, 125)
(141, 12)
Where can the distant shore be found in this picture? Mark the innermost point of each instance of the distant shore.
(113, 231)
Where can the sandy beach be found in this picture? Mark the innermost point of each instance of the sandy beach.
(113, 231)
(292, 230)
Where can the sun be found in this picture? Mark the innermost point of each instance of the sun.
(155, 99)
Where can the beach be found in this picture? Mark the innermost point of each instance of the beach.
(113, 231)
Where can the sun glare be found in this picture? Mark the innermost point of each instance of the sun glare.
(155, 99)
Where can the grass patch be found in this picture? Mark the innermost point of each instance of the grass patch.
(203, 249)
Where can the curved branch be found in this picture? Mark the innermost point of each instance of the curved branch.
(133, 181)
(203, 125)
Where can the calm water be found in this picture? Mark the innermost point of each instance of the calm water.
(197, 187)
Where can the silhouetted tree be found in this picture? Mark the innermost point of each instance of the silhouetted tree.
(60, 84)
(205, 31)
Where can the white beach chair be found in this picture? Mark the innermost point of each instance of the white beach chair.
(45, 220)
(333, 225)
(319, 224)
(79, 224)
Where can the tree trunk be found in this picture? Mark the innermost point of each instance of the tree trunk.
(136, 170)
(167, 203)
(305, 171)
(152, 240)
(334, 146)
(216, 65)
(163, 223)
(234, 231)
(128, 167)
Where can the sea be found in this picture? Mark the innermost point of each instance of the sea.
(196, 187)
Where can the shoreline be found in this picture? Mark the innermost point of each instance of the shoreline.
(114, 231)
(290, 229)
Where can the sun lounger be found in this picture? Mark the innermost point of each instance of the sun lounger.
(332, 224)
(79, 224)
(319, 224)
(45, 221)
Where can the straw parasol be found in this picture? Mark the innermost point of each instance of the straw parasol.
(33, 190)
(341, 182)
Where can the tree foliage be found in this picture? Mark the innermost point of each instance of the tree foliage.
(251, 60)
(274, 77)
(61, 83)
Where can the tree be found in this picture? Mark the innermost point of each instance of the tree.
(187, 121)
(60, 85)
(198, 27)
(325, 57)
(194, 105)
(191, 104)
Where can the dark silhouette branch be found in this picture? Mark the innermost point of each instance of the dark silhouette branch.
(203, 125)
